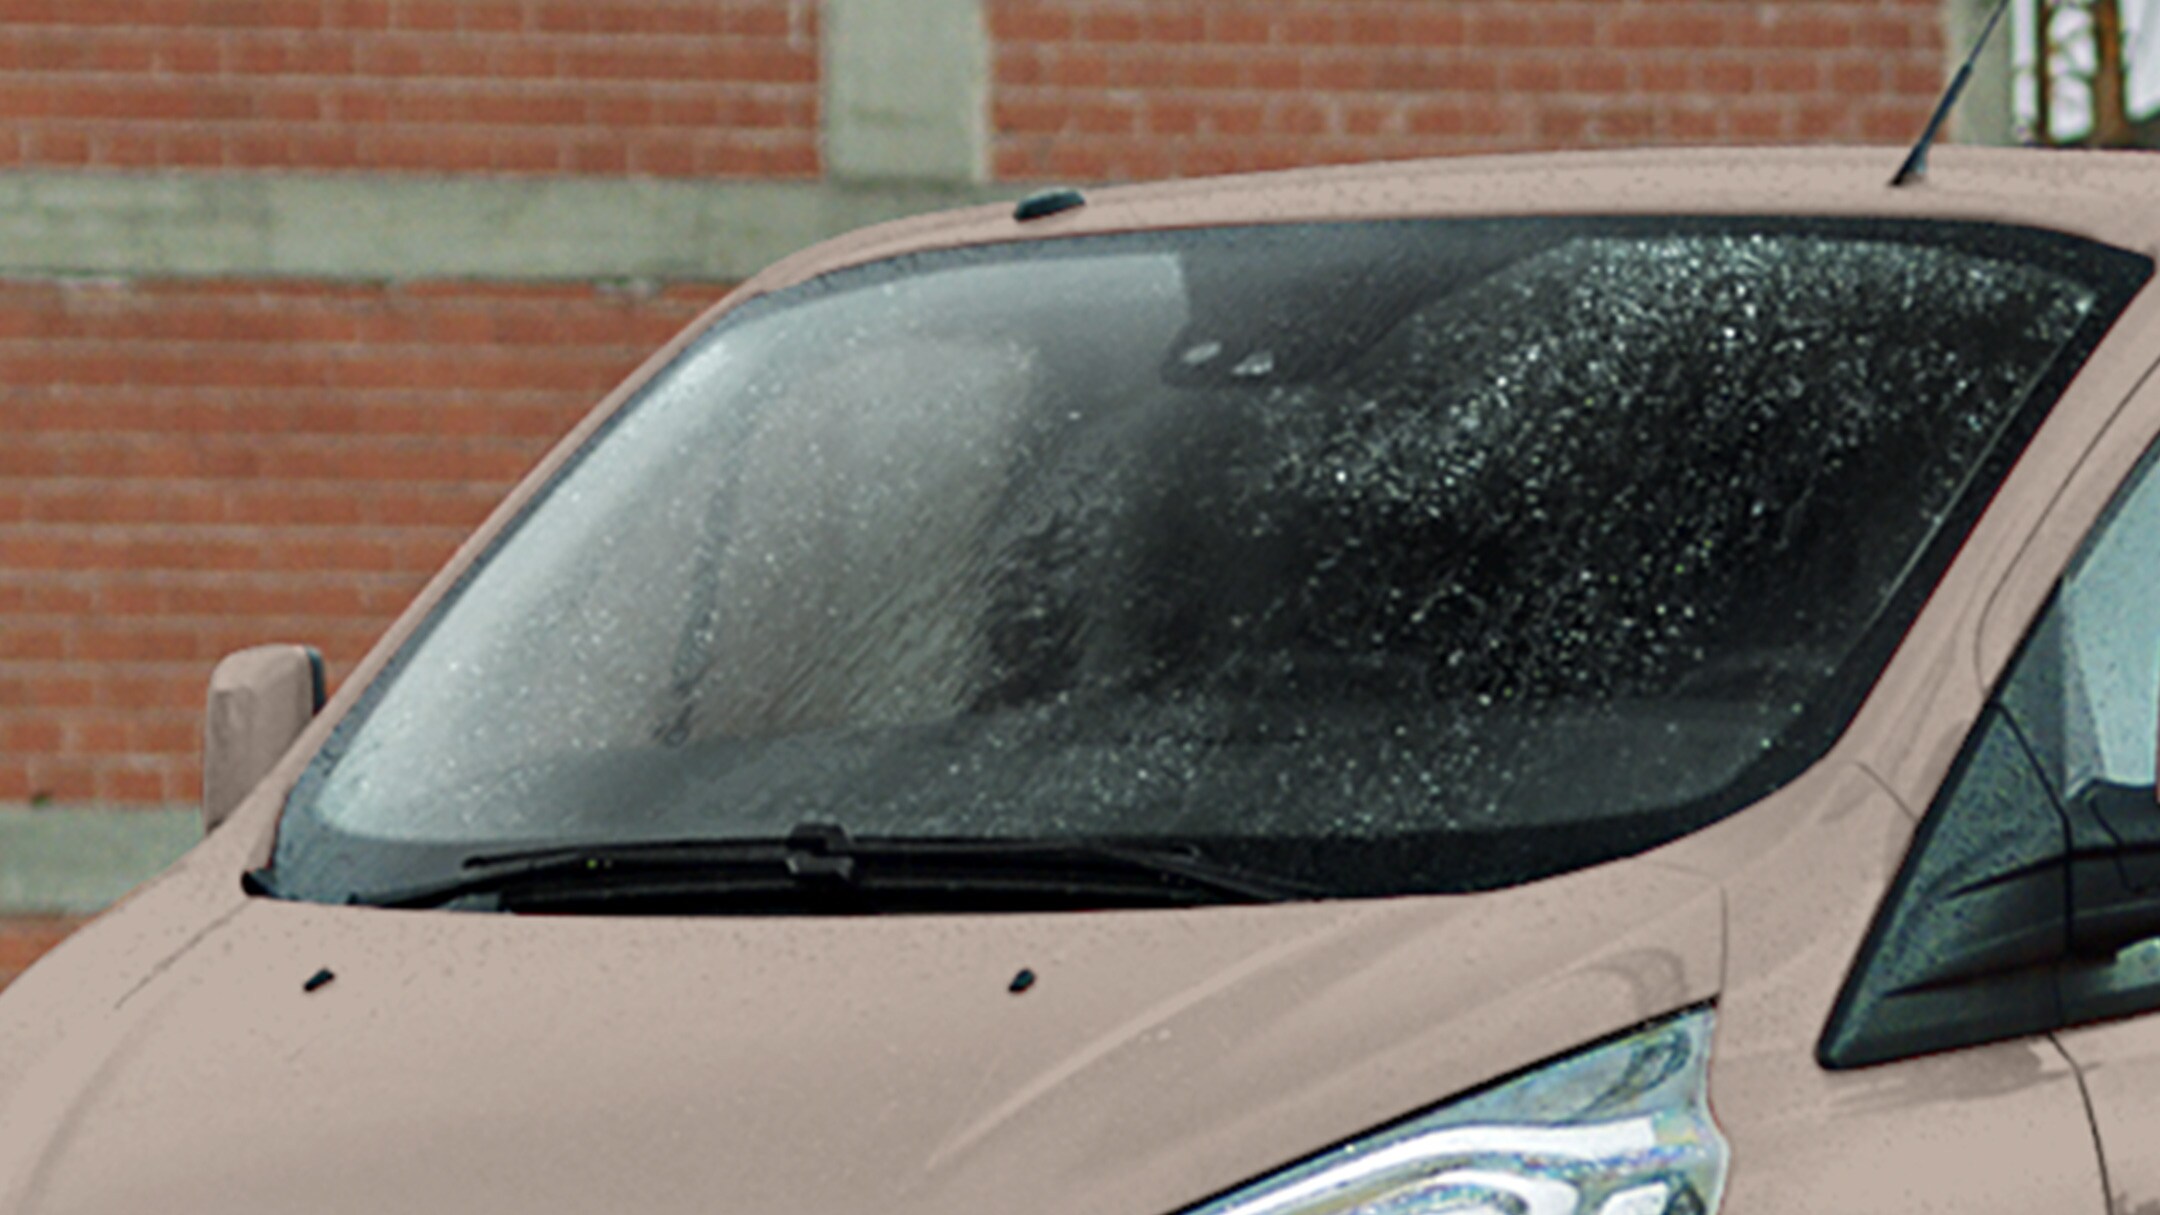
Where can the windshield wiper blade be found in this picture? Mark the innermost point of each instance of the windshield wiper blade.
(590, 867)
(819, 858)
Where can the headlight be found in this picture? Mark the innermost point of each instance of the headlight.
(1619, 1129)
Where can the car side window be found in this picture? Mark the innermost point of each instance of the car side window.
(2030, 897)
(2109, 644)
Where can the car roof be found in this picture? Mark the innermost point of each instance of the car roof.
(2113, 197)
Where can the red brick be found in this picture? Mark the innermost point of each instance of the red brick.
(1692, 126)
(1108, 117)
(284, 84)
(1233, 118)
(1890, 32)
(1514, 27)
(187, 53)
(1154, 70)
(1112, 24)
(29, 735)
(1790, 74)
(1434, 25)
(1665, 76)
(662, 158)
(1016, 66)
(1598, 76)
(1889, 123)
(1562, 124)
(1342, 72)
(1213, 71)
(58, 145)
(1171, 115)
(1726, 76)
(1916, 78)
(1819, 27)
(1300, 116)
(1081, 66)
(1433, 73)
(1322, 24)
(24, 940)
(131, 785)
(1531, 75)
(1236, 24)
(1815, 121)
(1077, 159)
(1758, 122)
(1029, 20)
(1855, 75)
(56, 691)
(1376, 25)
(63, 780)
(1169, 23)
(1672, 26)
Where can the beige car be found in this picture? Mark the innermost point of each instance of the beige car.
(1621, 684)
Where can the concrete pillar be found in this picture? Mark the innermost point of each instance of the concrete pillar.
(907, 87)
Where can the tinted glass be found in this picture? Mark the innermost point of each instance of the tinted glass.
(1397, 557)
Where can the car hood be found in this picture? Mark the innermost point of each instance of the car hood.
(471, 1063)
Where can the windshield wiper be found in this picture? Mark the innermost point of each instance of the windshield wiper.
(819, 866)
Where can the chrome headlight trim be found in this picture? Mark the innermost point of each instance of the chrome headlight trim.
(1621, 1127)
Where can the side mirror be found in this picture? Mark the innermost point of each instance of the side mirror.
(260, 700)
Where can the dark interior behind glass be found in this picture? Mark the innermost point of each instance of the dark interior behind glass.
(1390, 557)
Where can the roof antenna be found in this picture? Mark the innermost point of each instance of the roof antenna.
(1915, 166)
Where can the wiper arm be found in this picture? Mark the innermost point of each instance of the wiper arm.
(823, 863)
(589, 867)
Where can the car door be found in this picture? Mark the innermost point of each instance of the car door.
(2120, 1065)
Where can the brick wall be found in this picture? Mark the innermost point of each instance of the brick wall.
(662, 87)
(196, 467)
(1083, 89)
(1094, 89)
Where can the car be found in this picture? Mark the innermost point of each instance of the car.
(1620, 683)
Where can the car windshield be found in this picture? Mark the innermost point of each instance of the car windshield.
(1392, 557)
